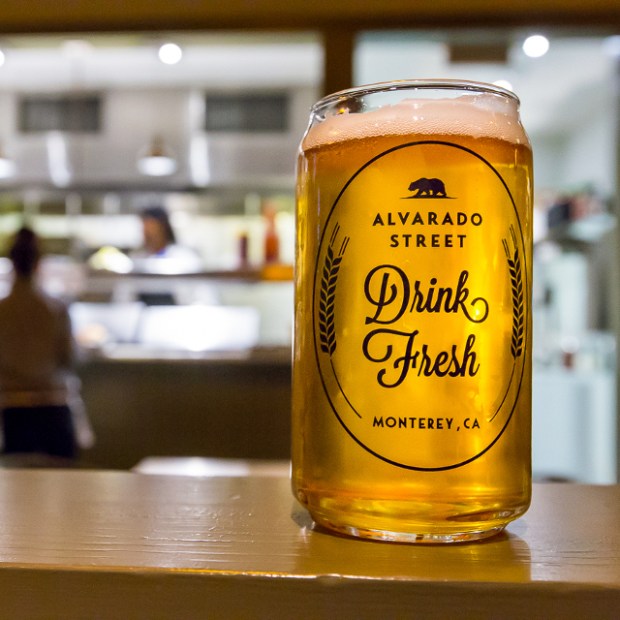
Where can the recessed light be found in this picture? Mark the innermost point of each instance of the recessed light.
(170, 53)
(536, 46)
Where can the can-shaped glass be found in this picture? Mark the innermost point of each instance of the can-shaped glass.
(412, 349)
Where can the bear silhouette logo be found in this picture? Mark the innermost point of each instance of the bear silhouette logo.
(428, 188)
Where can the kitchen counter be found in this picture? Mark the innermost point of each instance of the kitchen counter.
(233, 405)
(82, 544)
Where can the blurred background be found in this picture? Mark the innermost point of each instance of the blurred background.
(105, 113)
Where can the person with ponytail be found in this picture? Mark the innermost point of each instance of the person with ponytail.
(36, 348)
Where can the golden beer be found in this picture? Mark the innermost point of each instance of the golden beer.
(412, 349)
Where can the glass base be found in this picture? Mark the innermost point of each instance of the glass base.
(410, 537)
(412, 521)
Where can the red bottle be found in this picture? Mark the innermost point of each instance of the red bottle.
(272, 242)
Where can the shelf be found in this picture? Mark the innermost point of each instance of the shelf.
(275, 272)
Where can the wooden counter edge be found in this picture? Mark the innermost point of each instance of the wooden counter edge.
(48, 592)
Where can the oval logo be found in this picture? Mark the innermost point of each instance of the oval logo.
(420, 306)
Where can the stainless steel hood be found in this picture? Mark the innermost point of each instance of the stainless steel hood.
(137, 99)
(131, 119)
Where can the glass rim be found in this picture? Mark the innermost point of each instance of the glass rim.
(414, 84)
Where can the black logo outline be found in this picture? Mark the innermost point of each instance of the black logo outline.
(520, 236)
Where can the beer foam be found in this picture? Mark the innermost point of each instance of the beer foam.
(478, 116)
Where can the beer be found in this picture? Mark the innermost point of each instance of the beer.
(412, 349)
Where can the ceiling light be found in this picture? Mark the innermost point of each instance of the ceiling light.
(58, 159)
(157, 160)
(7, 167)
(536, 46)
(199, 165)
(170, 53)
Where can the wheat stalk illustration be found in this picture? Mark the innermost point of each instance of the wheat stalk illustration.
(516, 283)
(327, 299)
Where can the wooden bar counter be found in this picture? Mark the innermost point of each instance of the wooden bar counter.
(103, 544)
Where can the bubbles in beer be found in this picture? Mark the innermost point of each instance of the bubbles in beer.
(482, 115)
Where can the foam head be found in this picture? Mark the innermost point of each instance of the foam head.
(479, 115)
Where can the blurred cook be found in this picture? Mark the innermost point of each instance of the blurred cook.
(160, 252)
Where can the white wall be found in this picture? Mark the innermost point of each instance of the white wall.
(582, 152)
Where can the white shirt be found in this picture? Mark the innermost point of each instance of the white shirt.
(173, 259)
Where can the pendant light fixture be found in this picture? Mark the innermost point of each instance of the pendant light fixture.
(157, 160)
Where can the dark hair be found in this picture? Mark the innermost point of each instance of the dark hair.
(160, 214)
(25, 252)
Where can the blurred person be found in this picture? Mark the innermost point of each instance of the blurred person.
(157, 231)
(160, 252)
(36, 352)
